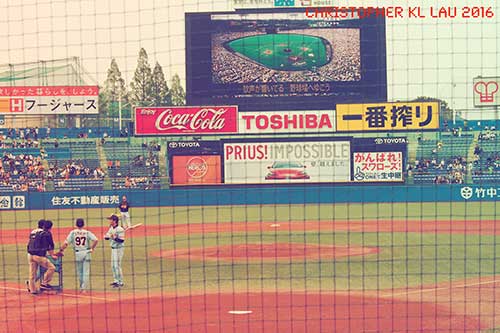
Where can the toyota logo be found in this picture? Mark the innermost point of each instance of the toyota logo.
(172, 144)
(379, 141)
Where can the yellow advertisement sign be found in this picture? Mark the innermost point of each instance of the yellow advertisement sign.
(387, 116)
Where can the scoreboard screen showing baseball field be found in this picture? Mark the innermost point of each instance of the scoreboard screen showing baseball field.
(272, 59)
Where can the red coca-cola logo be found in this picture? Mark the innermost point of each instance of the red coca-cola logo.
(205, 118)
(181, 120)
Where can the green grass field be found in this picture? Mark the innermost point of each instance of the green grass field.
(283, 51)
(405, 259)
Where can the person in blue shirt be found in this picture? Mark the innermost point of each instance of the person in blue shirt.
(124, 207)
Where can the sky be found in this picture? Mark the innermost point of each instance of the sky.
(436, 57)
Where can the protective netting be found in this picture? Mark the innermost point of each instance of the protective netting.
(249, 166)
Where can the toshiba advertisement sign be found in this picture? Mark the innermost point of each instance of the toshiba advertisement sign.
(287, 122)
(195, 120)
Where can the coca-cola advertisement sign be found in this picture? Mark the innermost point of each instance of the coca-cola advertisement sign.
(196, 120)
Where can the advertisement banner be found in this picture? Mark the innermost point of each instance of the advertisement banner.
(287, 122)
(196, 170)
(43, 100)
(286, 162)
(12, 202)
(387, 116)
(193, 148)
(486, 92)
(193, 120)
(378, 166)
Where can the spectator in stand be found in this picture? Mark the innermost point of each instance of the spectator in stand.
(477, 150)
(441, 180)
(124, 132)
(128, 184)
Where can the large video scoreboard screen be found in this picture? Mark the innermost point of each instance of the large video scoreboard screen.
(284, 60)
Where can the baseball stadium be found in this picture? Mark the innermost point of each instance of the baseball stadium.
(283, 52)
(128, 205)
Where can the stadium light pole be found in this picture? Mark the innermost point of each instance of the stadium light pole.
(120, 110)
(454, 113)
(118, 87)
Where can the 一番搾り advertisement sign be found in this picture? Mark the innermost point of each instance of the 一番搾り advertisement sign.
(194, 120)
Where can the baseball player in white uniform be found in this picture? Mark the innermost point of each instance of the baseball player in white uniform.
(83, 243)
(116, 236)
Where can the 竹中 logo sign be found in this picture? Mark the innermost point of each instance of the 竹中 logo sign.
(466, 192)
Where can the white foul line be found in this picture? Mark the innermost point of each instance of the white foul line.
(441, 288)
(63, 294)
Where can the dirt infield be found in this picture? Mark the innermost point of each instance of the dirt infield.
(486, 227)
(267, 252)
(229, 312)
(467, 305)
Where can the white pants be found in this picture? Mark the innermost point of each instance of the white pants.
(83, 272)
(116, 264)
(126, 219)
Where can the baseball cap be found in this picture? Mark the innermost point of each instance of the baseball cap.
(80, 222)
(113, 217)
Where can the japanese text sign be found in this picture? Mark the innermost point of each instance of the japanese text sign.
(387, 116)
(37, 100)
(378, 166)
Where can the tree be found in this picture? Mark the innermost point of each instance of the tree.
(445, 112)
(142, 83)
(112, 91)
(160, 92)
(177, 93)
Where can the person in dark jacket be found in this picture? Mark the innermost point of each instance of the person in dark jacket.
(40, 243)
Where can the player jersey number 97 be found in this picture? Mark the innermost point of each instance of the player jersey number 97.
(80, 241)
